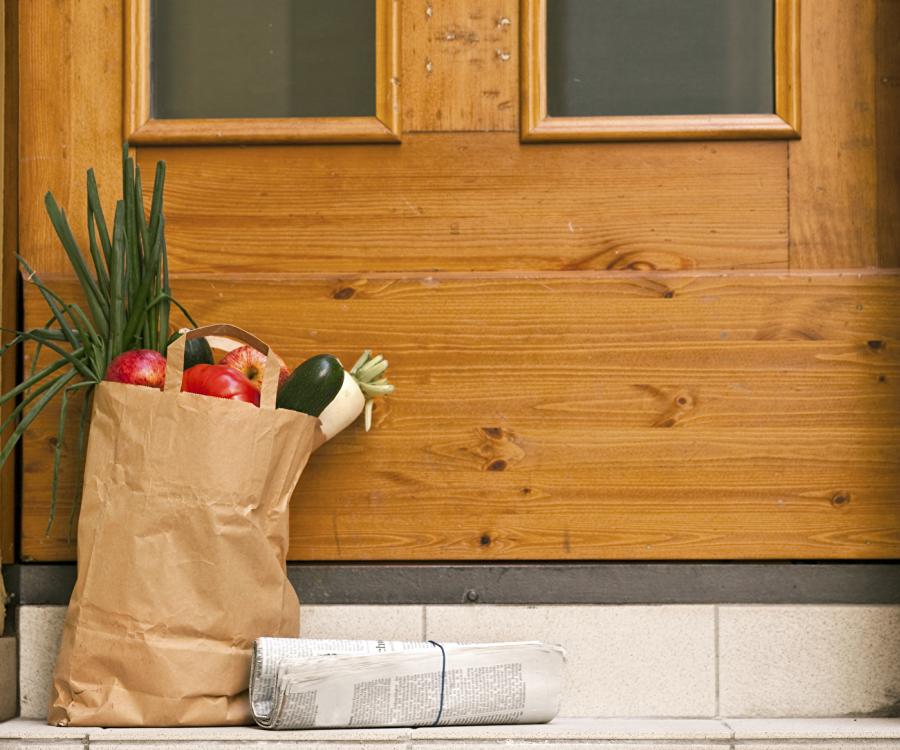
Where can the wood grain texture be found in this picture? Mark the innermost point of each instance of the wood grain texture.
(887, 103)
(787, 63)
(387, 65)
(660, 128)
(540, 413)
(444, 202)
(8, 300)
(136, 97)
(68, 121)
(537, 125)
(587, 416)
(833, 167)
(460, 65)
(251, 131)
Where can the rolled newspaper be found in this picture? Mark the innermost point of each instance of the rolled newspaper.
(299, 683)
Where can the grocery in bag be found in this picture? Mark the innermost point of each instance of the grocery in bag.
(182, 542)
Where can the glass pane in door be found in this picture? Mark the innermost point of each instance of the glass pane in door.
(262, 58)
(660, 57)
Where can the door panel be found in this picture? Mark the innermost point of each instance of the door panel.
(600, 350)
(452, 202)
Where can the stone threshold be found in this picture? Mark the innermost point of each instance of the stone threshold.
(562, 734)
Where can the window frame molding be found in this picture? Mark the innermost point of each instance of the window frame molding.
(537, 126)
(142, 129)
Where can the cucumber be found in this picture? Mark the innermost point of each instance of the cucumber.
(197, 352)
(312, 386)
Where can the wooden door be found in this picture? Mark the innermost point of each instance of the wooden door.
(602, 350)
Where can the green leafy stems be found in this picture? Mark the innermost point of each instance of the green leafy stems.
(128, 300)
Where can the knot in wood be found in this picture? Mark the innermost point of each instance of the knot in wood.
(344, 293)
(498, 449)
(840, 498)
(684, 401)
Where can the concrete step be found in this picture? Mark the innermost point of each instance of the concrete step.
(561, 734)
(660, 661)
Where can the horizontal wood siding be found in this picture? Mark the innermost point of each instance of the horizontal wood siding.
(583, 416)
(441, 202)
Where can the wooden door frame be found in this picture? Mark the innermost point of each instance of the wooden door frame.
(8, 271)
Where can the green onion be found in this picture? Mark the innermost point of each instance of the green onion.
(126, 288)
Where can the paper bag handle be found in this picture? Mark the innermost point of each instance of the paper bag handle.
(175, 359)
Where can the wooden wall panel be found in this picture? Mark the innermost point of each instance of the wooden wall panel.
(585, 416)
(545, 409)
(70, 100)
(833, 166)
(460, 64)
(8, 299)
(887, 76)
(475, 202)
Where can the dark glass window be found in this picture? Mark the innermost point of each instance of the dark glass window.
(263, 58)
(660, 57)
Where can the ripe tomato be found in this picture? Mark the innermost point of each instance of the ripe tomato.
(220, 381)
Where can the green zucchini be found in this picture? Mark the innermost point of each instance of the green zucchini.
(312, 386)
(197, 352)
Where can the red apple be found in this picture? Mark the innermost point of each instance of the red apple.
(252, 365)
(138, 367)
(220, 381)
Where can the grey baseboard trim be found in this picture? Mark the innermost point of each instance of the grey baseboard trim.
(545, 583)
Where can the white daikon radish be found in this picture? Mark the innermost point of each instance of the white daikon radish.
(363, 383)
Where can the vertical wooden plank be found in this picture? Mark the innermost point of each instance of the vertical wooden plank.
(833, 166)
(136, 94)
(460, 65)
(69, 116)
(8, 75)
(68, 119)
(387, 64)
(532, 66)
(787, 61)
(887, 104)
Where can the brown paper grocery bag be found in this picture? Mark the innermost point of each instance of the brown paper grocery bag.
(182, 541)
